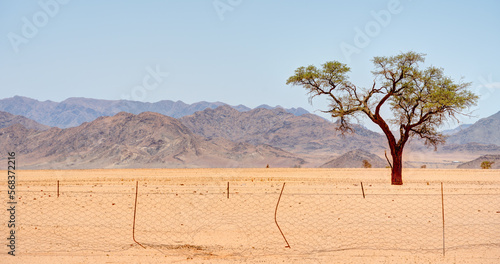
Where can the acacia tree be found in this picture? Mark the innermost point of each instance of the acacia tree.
(420, 100)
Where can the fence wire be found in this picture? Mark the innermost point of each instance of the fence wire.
(314, 217)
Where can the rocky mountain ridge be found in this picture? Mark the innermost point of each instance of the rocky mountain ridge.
(74, 111)
(484, 131)
(147, 140)
(235, 136)
(303, 134)
(8, 119)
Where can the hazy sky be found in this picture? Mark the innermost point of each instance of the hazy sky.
(235, 51)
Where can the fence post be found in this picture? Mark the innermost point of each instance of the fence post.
(135, 212)
(363, 190)
(57, 188)
(442, 211)
(227, 190)
(275, 216)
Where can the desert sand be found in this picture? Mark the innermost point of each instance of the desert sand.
(188, 216)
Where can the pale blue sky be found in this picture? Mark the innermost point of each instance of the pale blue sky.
(234, 51)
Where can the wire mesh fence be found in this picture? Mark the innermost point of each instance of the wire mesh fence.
(256, 217)
(81, 218)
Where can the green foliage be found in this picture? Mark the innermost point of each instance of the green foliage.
(421, 100)
(485, 165)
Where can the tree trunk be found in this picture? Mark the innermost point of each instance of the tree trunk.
(397, 168)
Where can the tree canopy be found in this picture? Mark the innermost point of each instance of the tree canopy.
(420, 100)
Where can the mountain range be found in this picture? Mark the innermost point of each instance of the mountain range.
(484, 131)
(219, 135)
(8, 119)
(305, 134)
(75, 111)
(456, 129)
(125, 140)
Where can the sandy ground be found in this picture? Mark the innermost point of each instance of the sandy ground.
(187, 216)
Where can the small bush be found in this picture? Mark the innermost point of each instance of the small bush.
(423, 166)
(485, 165)
(366, 164)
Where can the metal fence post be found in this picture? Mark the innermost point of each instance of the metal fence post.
(135, 212)
(275, 216)
(442, 212)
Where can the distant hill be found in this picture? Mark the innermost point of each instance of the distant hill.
(484, 131)
(479, 138)
(354, 159)
(470, 148)
(476, 164)
(147, 140)
(456, 130)
(73, 112)
(296, 111)
(7, 119)
(303, 134)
